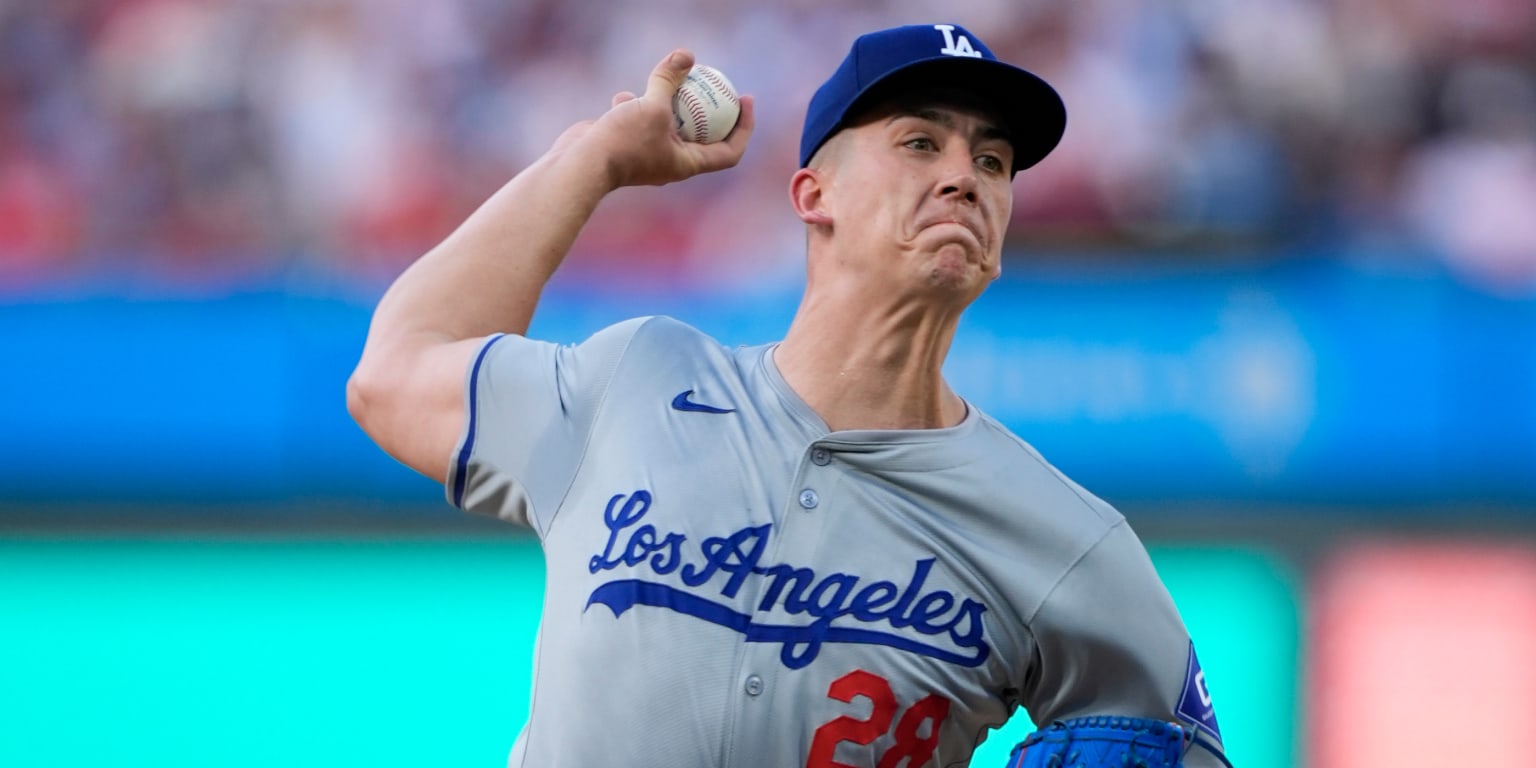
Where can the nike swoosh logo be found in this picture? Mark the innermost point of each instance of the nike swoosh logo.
(682, 403)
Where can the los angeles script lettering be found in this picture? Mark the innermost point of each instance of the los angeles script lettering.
(845, 607)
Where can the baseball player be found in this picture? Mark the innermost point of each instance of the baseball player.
(810, 553)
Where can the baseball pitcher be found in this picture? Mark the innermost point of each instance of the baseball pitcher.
(810, 553)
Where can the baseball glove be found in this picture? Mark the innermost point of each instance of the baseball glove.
(1100, 742)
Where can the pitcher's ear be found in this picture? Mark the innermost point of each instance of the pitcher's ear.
(807, 193)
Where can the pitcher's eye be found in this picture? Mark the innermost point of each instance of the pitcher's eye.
(990, 162)
(921, 144)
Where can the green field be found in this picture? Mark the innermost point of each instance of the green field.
(163, 652)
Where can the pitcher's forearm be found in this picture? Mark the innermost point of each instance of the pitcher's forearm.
(407, 391)
(486, 277)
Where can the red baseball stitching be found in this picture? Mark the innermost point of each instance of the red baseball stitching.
(700, 124)
(719, 82)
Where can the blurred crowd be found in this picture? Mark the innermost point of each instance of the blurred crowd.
(233, 140)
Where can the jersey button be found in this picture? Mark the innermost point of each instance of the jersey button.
(754, 685)
(809, 499)
(821, 456)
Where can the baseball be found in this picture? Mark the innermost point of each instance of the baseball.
(705, 106)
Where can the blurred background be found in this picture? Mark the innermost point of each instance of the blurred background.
(1274, 297)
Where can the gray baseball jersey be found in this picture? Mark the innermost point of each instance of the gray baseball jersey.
(730, 583)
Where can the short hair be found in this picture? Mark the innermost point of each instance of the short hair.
(828, 151)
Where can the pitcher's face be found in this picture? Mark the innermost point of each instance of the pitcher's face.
(927, 190)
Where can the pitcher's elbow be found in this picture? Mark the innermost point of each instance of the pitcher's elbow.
(362, 397)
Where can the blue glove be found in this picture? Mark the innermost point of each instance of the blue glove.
(1102, 742)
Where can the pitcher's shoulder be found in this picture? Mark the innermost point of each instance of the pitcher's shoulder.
(659, 346)
(657, 334)
(1047, 483)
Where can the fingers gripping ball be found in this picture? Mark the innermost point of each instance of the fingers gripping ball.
(705, 106)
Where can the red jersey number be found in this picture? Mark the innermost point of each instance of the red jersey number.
(910, 745)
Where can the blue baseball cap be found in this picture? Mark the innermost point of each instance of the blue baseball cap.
(886, 63)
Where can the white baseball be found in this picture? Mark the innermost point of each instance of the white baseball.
(705, 106)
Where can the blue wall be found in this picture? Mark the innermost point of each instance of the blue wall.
(1307, 382)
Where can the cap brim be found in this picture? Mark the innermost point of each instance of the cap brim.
(1029, 108)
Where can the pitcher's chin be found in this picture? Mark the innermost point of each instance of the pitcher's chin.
(955, 267)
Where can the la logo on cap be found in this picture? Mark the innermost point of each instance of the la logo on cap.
(956, 46)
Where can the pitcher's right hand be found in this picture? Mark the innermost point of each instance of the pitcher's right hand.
(636, 138)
